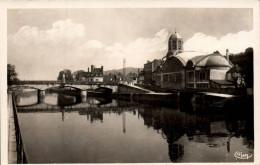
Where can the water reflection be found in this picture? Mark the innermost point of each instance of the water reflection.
(145, 133)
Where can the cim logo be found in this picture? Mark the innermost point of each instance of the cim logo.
(240, 155)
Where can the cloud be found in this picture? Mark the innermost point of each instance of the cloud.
(93, 44)
(235, 42)
(140, 50)
(40, 54)
(66, 29)
(43, 53)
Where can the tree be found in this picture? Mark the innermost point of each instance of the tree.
(78, 74)
(11, 73)
(245, 61)
(68, 75)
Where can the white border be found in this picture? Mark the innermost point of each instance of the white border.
(126, 4)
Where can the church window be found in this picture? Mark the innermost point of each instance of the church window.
(170, 45)
(179, 44)
(174, 45)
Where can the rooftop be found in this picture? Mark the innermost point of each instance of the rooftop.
(175, 35)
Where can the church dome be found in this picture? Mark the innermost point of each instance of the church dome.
(217, 61)
(175, 35)
(211, 60)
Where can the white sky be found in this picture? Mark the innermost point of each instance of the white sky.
(42, 42)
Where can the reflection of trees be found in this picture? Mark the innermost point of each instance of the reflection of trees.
(242, 126)
(214, 130)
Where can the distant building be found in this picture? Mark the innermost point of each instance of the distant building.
(109, 78)
(149, 71)
(235, 75)
(140, 77)
(94, 75)
(131, 78)
(97, 73)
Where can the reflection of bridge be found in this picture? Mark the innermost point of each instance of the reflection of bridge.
(44, 107)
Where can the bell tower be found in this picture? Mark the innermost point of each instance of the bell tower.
(175, 44)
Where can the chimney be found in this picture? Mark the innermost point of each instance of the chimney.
(92, 68)
(227, 55)
(88, 69)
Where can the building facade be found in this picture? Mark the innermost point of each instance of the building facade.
(189, 69)
(94, 75)
(150, 71)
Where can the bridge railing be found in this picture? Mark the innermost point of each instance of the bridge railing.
(20, 146)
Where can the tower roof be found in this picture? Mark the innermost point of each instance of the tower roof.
(175, 35)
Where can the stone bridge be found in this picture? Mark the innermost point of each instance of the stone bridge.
(43, 85)
(82, 87)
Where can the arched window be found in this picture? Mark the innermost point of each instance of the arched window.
(179, 45)
(174, 45)
(170, 45)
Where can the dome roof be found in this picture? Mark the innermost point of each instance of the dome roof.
(187, 55)
(217, 61)
(175, 35)
(211, 60)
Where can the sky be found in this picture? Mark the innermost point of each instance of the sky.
(42, 42)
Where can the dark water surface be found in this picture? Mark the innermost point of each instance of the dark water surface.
(63, 129)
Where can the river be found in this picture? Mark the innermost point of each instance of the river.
(65, 129)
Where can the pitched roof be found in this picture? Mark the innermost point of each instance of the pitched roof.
(86, 74)
(97, 71)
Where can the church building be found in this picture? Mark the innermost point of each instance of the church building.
(189, 69)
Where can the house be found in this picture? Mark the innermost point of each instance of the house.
(235, 75)
(131, 78)
(97, 74)
(140, 78)
(94, 75)
(149, 70)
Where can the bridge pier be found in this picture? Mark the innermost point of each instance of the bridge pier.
(83, 95)
(41, 96)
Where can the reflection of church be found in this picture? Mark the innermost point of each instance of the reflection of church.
(174, 126)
